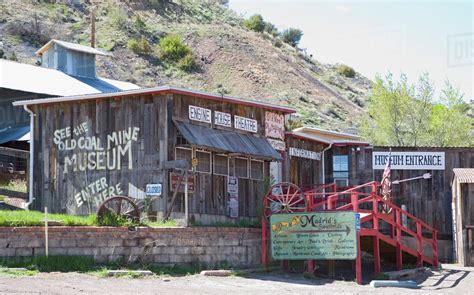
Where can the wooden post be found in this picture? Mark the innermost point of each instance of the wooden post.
(398, 251)
(435, 248)
(186, 199)
(331, 263)
(358, 262)
(419, 248)
(46, 246)
(375, 219)
(93, 26)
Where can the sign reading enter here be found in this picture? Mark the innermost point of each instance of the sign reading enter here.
(319, 236)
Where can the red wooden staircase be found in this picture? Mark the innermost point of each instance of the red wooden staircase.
(382, 223)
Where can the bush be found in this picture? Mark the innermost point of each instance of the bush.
(173, 48)
(141, 46)
(278, 43)
(271, 29)
(292, 36)
(187, 63)
(346, 71)
(112, 219)
(255, 23)
(13, 56)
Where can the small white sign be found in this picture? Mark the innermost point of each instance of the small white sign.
(245, 124)
(153, 189)
(222, 119)
(414, 160)
(277, 144)
(200, 114)
(300, 153)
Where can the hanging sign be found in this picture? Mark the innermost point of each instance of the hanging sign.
(278, 145)
(199, 114)
(174, 178)
(414, 160)
(233, 196)
(321, 235)
(153, 189)
(300, 153)
(245, 124)
(223, 119)
(274, 125)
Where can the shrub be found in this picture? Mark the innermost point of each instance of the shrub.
(271, 29)
(13, 56)
(2, 53)
(292, 36)
(346, 71)
(173, 48)
(278, 43)
(187, 63)
(141, 46)
(138, 24)
(255, 23)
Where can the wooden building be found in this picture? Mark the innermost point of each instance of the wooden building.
(93, 146)
(463, 215)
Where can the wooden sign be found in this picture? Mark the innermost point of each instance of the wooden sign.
(174, 178)
(222, 119)
(415, 160)
(278, 145)
(300, 153)
(233, 196)
(194, 162)
(274, 125)
(199, 114)
(245, 124)
(319, 236)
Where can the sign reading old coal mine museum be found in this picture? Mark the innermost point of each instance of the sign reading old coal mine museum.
(319, 236)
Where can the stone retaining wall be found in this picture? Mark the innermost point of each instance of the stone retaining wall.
(207, 246)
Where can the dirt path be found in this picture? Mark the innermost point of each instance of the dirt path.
(451, 280)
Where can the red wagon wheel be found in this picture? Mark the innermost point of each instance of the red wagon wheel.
(121, 206)
(284, 197)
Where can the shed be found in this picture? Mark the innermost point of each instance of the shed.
(463, 215)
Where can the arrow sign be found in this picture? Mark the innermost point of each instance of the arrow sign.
(424, 176)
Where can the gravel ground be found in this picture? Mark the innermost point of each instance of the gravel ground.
(451, 280)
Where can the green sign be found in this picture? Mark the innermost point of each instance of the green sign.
(318, 236)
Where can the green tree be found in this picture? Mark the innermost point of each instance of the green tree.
(292, 36)
(404, 114)
(255, 23)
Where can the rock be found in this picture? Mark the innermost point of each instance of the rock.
(395, 284)
(217, 273)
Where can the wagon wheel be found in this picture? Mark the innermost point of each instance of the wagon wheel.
(119, 205)
(284, 197)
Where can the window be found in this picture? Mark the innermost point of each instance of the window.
(256, 169)
(221, 165)
(204, 161)
(183, 154)
(242, 167)
(340, 167)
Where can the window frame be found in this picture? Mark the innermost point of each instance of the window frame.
(210, 160)
(248, 167)
(183, 148)
(263, 169)
(214, 164)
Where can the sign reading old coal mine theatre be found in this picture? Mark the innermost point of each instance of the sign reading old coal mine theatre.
(415, 160)
(322, 235)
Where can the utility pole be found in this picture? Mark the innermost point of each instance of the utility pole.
(92, 16)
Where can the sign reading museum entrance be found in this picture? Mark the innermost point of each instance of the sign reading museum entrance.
(318, 236)
(415, 160)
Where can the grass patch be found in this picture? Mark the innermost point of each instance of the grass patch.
(17, 185)
(52, 263)
(35, 218)
(161, 223)
(17, 273)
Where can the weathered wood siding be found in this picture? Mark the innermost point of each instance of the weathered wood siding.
(302, 171)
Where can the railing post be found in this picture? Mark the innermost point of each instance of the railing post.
(398, 253)
(419, 249)
(355, 201)
(435, 247)
(358, 261)
(375, 222)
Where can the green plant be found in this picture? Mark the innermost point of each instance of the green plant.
(173, 48)
(141, 46)
(35, 218)
(187, 63)
(2, 198)
(277, 43)
(13, 56)
(138, 24)
(271, 29)
(345, 70)
(117, 16)
(255, 23)
(292, 36)
(113, 219)
(52, 263)
(2, 53)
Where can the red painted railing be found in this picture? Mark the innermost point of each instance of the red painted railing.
(365, 200)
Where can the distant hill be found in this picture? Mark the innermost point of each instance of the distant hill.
(230, 58)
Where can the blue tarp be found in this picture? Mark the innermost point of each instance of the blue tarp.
(15, 133)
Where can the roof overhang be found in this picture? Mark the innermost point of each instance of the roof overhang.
(71, 46)
(156, 90)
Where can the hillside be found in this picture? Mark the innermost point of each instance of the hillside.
(230, 58)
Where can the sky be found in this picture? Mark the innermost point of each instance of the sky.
(378, 37)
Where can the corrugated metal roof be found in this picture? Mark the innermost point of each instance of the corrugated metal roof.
(71, 46)
(159, 90)
(9, 134)
(41, 80)
(227, 141)
(464, 175)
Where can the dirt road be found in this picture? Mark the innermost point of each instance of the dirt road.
(451, 280)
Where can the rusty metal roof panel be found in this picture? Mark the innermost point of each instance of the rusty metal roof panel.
(464, 175)
(227, 141)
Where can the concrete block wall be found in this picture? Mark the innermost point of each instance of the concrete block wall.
(207, 246)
